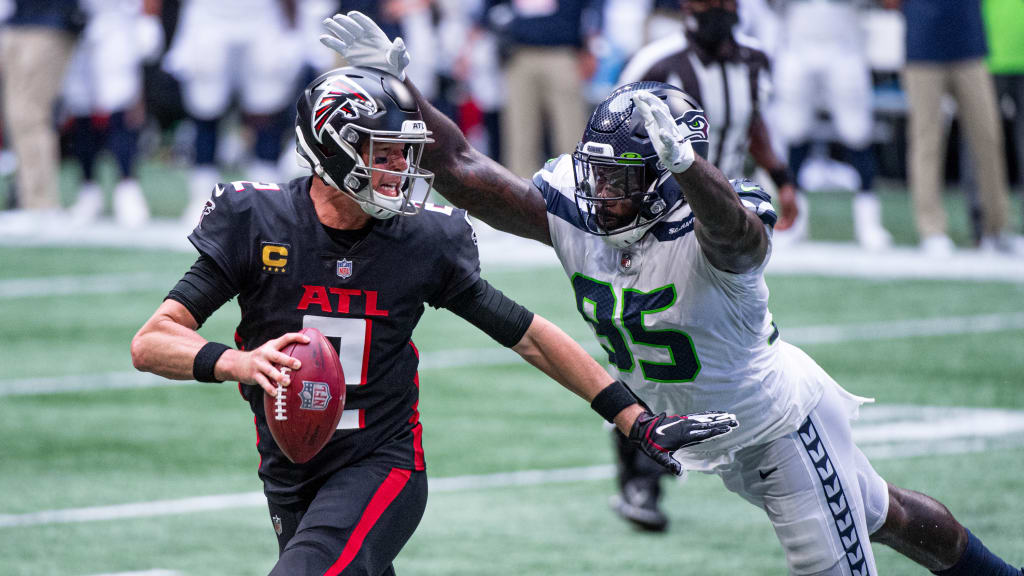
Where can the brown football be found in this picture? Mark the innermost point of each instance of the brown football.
(304, 415)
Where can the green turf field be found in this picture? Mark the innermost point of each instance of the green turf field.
(107, 447)
(108, 471)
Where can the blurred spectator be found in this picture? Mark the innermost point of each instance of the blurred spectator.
(314, 60)
(546, 61)
(664, 20)
(946, 54)
(729, 77)
(249, 49)
(1004, 24)
(103, 95)
(413, 21)
(759, 19)
(822, 63)
(478, 70)
(35, 49)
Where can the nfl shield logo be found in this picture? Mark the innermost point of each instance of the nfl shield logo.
(315, 396)
(344, 268)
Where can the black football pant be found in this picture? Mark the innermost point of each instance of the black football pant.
(636, 468)
(355, 524)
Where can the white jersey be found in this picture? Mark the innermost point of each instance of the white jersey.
(224, 47)
(683, 335)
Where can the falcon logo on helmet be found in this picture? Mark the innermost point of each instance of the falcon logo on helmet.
(340, 95)
(343, 117)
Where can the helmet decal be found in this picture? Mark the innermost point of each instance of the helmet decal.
(621, 103)
(697, 125)
(340, 95)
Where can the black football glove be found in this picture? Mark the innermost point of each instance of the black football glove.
(661, 435)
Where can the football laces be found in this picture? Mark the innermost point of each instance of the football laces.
(280, 407)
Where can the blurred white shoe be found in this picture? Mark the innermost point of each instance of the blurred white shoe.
(33, 222)
(201, 182)
(130, 209)
(867, 222)
(937, 246)
(89, 205)
(17, 222)
(262, 171)
(1004, 243)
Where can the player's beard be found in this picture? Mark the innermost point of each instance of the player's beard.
(616, 214)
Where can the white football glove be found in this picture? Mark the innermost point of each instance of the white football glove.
(675, 152)
(362, 43)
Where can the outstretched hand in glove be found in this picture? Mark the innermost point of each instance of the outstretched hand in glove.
(674, 151)
(362, 43)
(660, 435)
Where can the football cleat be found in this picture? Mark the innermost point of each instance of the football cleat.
(637, 503)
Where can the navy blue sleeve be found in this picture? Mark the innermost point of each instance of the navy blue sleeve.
(557, 203)
(755, 199)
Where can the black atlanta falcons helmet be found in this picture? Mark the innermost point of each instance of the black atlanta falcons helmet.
(622, 188)
(346, 112)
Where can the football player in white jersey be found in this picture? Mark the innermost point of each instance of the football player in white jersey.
(103, 94)
(246, 49)
(822, 62)
(666, 258)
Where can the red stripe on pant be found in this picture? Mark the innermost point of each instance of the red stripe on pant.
(385, 495)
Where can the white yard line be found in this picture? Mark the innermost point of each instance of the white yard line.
(154, 572)
(499, 249)
(86, 383)
(469, 357)
(48, 286)
(257, 499)
(899, 329)
(882, 432)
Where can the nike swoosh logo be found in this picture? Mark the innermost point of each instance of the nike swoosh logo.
(661, 429)
(766, 473)
(746, 188)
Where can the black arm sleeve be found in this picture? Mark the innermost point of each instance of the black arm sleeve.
(485, 307)
(203, 289)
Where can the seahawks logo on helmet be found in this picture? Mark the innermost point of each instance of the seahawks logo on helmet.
(340, 95)
(697, 124)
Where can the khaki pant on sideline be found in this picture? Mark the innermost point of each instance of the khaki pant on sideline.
(33, 61)
(539, 79)
(971, 85)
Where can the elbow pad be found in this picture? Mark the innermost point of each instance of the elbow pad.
(485, 307)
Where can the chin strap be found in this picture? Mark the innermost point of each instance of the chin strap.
(629, 237)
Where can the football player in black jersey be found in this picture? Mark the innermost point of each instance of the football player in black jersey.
(341, 251)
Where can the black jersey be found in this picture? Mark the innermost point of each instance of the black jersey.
(367, 298)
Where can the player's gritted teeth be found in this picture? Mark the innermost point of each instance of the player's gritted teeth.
(387, 188)
(389, 157)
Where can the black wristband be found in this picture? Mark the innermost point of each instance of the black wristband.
(781, 176)
(610, 401)
(206, 359)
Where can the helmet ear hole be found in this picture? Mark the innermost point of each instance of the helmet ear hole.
(327, 152)
(656, 207)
